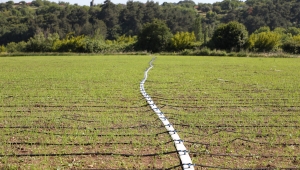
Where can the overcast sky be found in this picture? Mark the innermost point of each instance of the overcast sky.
(87, 2)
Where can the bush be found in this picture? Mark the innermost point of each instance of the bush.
(218, 53)
(182, 40)
(16, 47)
(41, 43)
(242, 54)
(204, 52)
(186, 52)
(99, 46)
(2, 49)
(70, 44)
(292, 46)
(264, 41)
(94, 46)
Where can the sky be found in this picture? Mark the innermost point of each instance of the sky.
(87, 2)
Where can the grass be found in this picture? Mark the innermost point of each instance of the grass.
(85, 112)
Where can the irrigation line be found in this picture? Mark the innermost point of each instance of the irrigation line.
(67, 106)
(238, 126)
(81, 144)
(77, 119)
(243, 156)
(265, 143)
(263, 168)
(87, 153)
(65, 110)
(236, 115)
(79, 128)
(245, 140)
(226, 106)
(186, 161)
(230, 131)
(99, 135)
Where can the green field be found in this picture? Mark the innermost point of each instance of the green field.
(87, 112)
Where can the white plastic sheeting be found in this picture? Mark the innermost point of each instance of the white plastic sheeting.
(185, 158)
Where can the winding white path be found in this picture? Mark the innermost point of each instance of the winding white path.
(185, 158)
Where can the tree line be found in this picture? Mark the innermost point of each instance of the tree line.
(44, 26)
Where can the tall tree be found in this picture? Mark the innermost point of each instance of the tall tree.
(231, 36)
(198, 29)
(131, 18)
(154, 37)
(110, 15)
(152, 11)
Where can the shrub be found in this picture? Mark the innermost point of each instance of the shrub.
(186, 52)
(242, 54)
(264, 41)
(70, 44)
(218, 53)
(2, 49)
(16, 47)
(99, 46)
(182, 40)
(204, 51)
(292, 46)
(41, 43)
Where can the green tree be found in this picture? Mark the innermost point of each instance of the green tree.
(211, 17)
(198, 29)
(154, 37)
(293, 31)
(262, 29)
(152, 10)
(132, 18)
(230, 36)
(78, 17)
(37, 3)
(36, 43)
(253, 23)
(187, 3)
(217, 9)
(284, 35)
(204, 7)
(179, 19)
(109, 14)
(230, 4)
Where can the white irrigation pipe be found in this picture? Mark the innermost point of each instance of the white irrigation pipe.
(185, 158)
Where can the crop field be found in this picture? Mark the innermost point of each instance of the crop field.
(232, 112)
(79, 112)
(86, 112)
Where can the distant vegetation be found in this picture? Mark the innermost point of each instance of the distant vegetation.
(255, 26)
